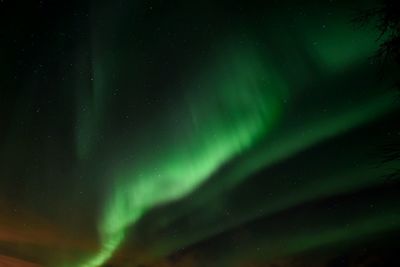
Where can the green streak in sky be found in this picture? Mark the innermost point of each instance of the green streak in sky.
(277, 149)
(224, 120)
(233, 108)
(323, 228)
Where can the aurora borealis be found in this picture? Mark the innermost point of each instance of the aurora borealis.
(210, 133)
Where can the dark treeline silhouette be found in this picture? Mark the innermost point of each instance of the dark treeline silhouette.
(386, 18)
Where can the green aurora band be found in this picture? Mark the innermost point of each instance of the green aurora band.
(230, 119)
(232, 110)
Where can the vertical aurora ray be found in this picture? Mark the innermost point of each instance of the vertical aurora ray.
(223, 120)
(319, 123)
(316, 124)
(233, 109)
(194, 133)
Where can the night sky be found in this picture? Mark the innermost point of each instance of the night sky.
(195, 134)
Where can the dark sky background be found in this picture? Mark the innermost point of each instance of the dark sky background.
(195, 133)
